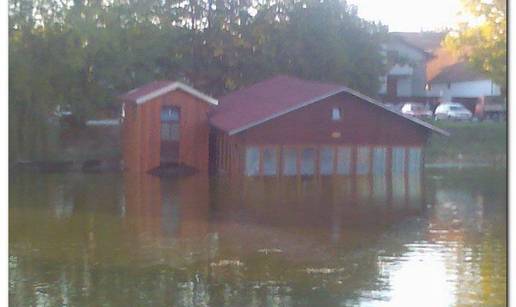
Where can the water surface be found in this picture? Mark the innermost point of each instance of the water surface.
(128, 240)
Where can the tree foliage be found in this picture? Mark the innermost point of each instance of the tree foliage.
(483, 40)
(82, 53)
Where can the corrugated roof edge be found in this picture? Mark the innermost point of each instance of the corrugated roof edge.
(172, 87)
(352, 92)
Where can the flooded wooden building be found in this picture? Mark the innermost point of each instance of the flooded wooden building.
(286, 126)
(283, 126)
(165, 123)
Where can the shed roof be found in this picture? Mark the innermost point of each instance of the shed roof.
(155, 89)
(279, 95)
(458, 72)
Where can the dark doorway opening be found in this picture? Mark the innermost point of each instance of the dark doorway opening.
(392, 86)
(170, 134)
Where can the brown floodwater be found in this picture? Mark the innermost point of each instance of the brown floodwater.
(126, 240)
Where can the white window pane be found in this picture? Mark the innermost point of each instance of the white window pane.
(335, 114)
(289, 161)
(252, 161)
(398, 160)
(169, 114)
(414, 159)
(326, 161)
(308, 161)
(269, 161)
(362, 160)
(379, 160)
(344, 161)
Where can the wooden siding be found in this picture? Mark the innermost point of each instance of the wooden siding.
(361, 125)
(141, 132)
(226, 155)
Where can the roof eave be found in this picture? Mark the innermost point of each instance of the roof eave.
(175, 86)
(169, 88)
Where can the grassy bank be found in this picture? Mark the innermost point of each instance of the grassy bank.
(470, 142)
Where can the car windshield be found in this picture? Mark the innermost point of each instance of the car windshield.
(456, 108)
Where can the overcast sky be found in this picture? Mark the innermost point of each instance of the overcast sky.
(410, 15)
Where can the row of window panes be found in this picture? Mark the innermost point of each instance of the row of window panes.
(326, 160)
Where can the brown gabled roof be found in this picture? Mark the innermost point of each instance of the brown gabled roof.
(457, 72)
(263, 101)
(157, 88)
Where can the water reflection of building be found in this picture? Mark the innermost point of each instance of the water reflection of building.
(233, 208)
(161, 207)
(333, 204)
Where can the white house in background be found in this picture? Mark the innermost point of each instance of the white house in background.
(459, 80)
(406, 75)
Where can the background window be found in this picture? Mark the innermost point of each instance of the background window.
(336, 113)
(344, 161)
(308, 161)
(362, 160)
(252, 161)
(379, 160)
(269, 161)
(398, 160)
(169, 123)
(326, 161)
(414, 159)
(289, 161)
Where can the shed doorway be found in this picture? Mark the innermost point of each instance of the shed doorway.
(392, 86)
(170, 134)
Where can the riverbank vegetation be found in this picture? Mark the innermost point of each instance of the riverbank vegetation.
(469, 142)
(81, 54)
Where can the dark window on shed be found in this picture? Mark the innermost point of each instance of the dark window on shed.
(344, 160)
(170, 123)
(252, 161)
(270, 161)
(308, 161)
(289, 161)
(326, 158)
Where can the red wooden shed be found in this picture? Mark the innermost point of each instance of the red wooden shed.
(165, 123)
(288, 126)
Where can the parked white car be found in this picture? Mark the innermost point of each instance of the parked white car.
(416, 109)
(451, 110)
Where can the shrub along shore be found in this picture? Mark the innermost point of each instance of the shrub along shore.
(469, 143)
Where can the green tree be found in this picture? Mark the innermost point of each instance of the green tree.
(483, 42)
(83, 54)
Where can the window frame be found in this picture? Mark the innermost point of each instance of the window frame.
(170, 128)
(336, 114)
